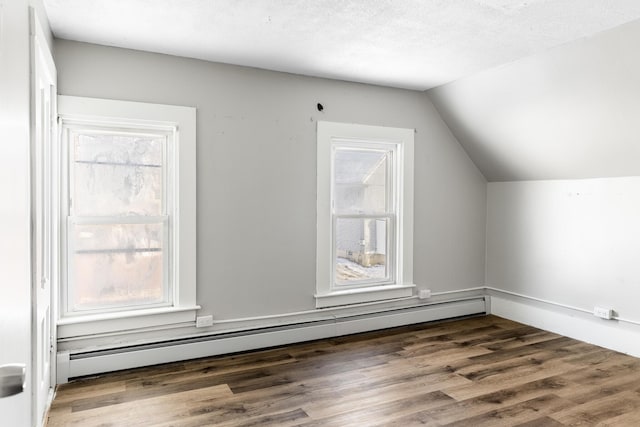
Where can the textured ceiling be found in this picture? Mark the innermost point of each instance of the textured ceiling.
(416, 44)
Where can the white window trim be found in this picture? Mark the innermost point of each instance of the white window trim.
(183, 120)
(326, 294)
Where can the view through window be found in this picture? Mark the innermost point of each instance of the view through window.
(364, 213)
(117, 218)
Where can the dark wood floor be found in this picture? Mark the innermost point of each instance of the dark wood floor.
(474, 372)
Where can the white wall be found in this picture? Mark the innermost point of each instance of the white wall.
(568, 113)
(257, 172)
(571, 242)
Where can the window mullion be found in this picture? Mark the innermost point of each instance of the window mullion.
(366, 215)
(106, 220)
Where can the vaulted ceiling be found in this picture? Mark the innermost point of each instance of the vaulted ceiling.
(568, 113)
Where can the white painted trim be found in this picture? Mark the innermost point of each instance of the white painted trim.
(359, 295)
(62, 367)
(357, 309)
(163, 328)
(329, 133)
(460, 291)
(92, 324)
(151, 335)
(173, 353)
(74, 365)
(43, 218)
(620, 335)
(557, 304)
(569, 321)
(411, 316)
(181, 123)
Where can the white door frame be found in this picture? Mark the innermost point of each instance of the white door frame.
(43, 219)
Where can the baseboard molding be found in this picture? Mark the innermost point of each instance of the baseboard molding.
(622, 336)
(95, 362)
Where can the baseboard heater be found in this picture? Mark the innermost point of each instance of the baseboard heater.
(75, 365)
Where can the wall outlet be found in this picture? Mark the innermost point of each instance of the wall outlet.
(204, 321)
(603, 312)
(424, 293)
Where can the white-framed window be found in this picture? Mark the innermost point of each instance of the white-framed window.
(365, 213)
(128, 213)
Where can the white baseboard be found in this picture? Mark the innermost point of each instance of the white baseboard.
(575, 323)
(90, 363)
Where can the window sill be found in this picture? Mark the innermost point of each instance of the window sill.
(362, 295)
(76, 326)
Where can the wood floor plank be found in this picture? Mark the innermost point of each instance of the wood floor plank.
(519, 340)
(540, 422)
(463, 409)
(482, 371)
(510, 378)
(627, 419)
(73, 391)
(516, 414)
(393, 391)
(382, 412)
(599, 411)
(132, 413)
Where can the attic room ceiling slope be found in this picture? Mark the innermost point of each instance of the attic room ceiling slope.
(567, 113)
(414, 44)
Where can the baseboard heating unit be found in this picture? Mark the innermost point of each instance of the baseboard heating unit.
(73, 365)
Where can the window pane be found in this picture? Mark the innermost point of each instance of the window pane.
(117, 265)
(117, 175)
(360, 178)
(361, 250)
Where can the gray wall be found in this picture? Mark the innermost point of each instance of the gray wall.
(257, 172)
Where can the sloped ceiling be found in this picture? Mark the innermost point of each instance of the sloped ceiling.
(538, 89)
(416, 44)
(569, 113)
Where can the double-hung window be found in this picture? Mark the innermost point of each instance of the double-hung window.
(365, 213)
(128, 214)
